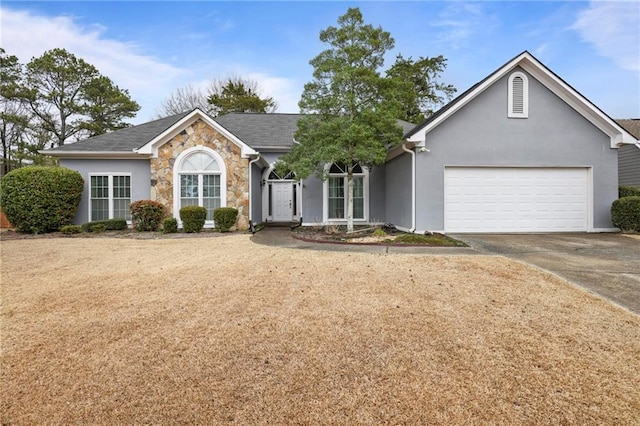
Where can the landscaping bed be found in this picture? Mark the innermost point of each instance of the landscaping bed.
(10, 234)
(374, 235)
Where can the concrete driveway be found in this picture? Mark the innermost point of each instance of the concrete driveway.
(605, 264)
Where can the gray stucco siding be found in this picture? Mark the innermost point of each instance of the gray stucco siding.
(629, 165)
(140, 179)
(255, 203)
(398, 187)
(377, 194)
(481, 134)
(312, 189)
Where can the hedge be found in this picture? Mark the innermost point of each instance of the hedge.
(39, 199)
(625, 213)
(147, 215)
(628, 191)
(71, 229)
(170, 225)
(193, 218)
(109, 225)
(225, 218)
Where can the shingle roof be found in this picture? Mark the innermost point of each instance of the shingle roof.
(259, 131)
(126, 139)
(631, 125)
(262, 130)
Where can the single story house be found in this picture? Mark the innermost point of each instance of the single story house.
(521, 151)
(629, 155)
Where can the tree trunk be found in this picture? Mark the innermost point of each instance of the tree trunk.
(349, 197)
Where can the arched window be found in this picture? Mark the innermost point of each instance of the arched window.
(336, 189)
(199, 180)
(518, 95)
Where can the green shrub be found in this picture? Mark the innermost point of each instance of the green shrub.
(379, 233)
(625, 213)
(147, 215)
(71, 229)
(225, 218)
(628, 191)
(170, 225)
(193, 218)
(109, 225)
(98, 228)
(39, 199)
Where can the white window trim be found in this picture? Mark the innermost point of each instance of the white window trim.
(525, 96)
(325, 196)
(110, 176)
(176, 179)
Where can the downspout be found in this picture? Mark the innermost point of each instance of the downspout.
(251, 226)
(413, 186)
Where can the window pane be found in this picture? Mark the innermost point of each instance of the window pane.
(99, 209)
(189, 186)
(200, 161)
(358, 198)
(122, 187)
(99, 197)
(99, 186)
(336, 198)
(210, 194)
(121, 208)
(121, 197)
(211, 185)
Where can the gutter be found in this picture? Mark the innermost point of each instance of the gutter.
(93, 154)
(413, 186)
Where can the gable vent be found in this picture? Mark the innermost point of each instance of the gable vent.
(518, 95)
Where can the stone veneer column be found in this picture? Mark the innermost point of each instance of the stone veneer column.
(201, 134)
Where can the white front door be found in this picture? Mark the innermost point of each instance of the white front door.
(282, 201)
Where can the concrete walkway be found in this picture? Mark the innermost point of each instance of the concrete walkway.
(281, 237)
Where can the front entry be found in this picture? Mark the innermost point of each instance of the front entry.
(282, 201)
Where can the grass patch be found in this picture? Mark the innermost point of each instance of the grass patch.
(428, 240)
(224, 331)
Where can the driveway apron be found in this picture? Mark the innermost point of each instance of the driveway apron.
(605, 264)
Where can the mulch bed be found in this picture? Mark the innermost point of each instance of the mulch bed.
(365, 235)
(10, 234)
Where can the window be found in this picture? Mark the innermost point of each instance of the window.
(337, 192)
(200, 181)
(110, 197)
(518, 95)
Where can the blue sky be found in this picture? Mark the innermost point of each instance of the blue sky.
(153, 47)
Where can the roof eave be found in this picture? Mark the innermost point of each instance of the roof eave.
(151, 147)
(529, 63)
(112, 155)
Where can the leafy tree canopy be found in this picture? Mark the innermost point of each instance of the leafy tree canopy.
(236, 94)
(419, 90)
(68, 95)
(352, 108)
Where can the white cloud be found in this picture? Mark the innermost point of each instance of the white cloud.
(27, 35)
(612, 27)
(459, 21)
(149, 80)
(283, 90)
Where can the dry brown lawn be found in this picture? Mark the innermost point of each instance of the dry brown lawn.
(219, 330)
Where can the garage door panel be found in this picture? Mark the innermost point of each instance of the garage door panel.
(515, 199)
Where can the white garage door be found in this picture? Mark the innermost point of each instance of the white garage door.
(485, 199)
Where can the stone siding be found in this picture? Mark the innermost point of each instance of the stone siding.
(201, 134)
